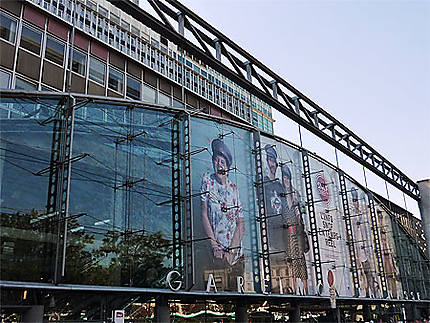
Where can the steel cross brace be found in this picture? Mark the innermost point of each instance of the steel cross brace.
(321, 119)
(312, 218)
(349, 234)
(259, 184)
(377, 245)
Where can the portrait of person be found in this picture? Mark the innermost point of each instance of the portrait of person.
(362, 239)
(274, 201)
(287, 236)
(222, 220)
(297, 242)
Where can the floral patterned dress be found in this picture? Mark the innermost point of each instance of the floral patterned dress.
(224, 209)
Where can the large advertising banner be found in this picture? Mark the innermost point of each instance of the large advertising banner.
(223, 207)
(330, 225)
(287, 222)
(370, 285)
(389, 258)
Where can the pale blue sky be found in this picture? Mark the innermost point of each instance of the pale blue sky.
(366, 62)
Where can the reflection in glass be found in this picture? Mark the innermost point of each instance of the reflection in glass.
(133, 88)
(54, 50)
(22, 84)
(126, 240)
(31, 39)
(28, 231)
(4, 80)
(116, 80)
(79, 62)
(149, 94)
(7, 27)
(97, 71)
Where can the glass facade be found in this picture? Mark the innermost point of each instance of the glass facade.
(29, 233)
(117, 231)
(122, 225)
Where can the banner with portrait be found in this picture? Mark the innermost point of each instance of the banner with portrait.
(224, 207)
(389, 253)
(358, 202)
(330, 226)
(287, 221)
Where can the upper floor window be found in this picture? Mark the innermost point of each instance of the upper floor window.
(7, 27)
(97, 71)
(54, 50)
(22, 84)
(116, 80)
(4, 80)
(79, 62)
(31, 39)
(133, 88)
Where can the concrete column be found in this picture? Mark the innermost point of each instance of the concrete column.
(33, 315)
(424, 204)
(162, 311)
(295, 314)
(241, 313)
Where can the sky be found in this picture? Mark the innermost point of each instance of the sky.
(365, 62)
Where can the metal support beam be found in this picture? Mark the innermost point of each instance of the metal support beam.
(349, 234)
(259, 183)
(377, 245)
(187, 201)
(176, 194)
(312, 218)
(59, 177)
(384, 169)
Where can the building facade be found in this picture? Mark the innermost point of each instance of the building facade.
(137, 181)
(117, 56)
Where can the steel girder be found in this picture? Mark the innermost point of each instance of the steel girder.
(261, 81)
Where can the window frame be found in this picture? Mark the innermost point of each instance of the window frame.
(126, 88)
(16, 28)
(73, 51)
(92, 58)
(31, 28)
(9, 81)
(55, 39)
(111, 68)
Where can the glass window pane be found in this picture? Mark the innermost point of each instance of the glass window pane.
(27, 235)
(4, 80)
(178, 104)
(133, 88)
(31, 39)
(149, 94)
(163, 99)
(54, 50)
(79, 62)
(97, 70)
(21, 84)
(7, 27)
(116, 80)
